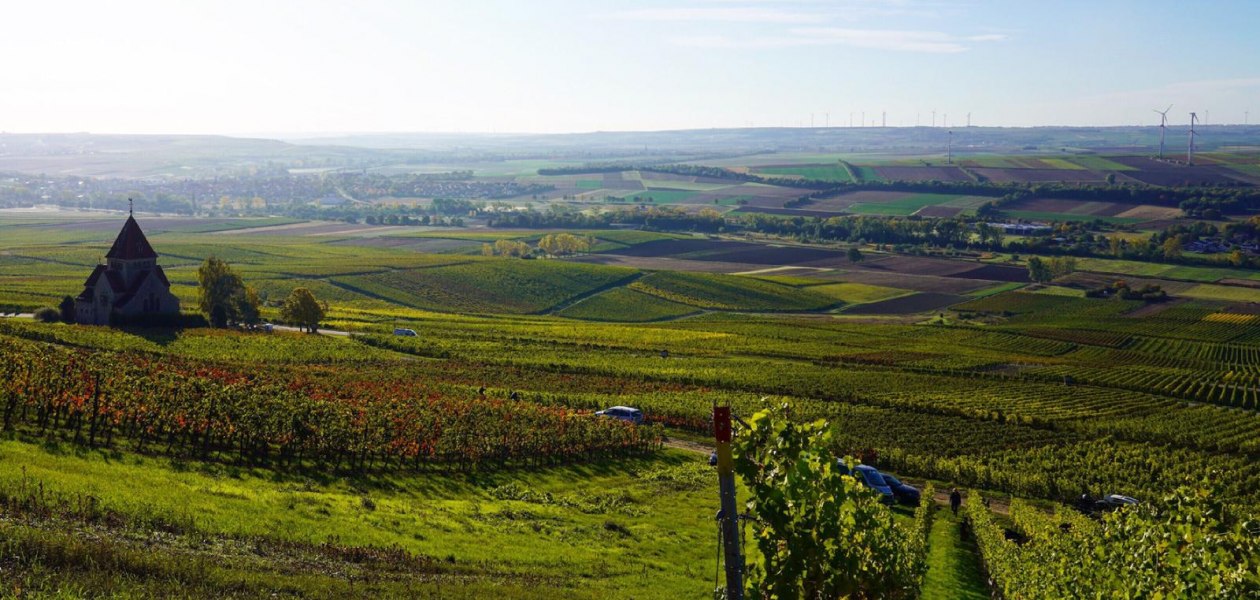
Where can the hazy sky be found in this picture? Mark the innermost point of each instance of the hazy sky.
(177, 66)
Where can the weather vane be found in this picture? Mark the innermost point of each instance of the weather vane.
(131, 207)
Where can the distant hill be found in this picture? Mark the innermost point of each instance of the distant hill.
(179, 156)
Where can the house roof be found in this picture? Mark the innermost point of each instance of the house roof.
(131, 243)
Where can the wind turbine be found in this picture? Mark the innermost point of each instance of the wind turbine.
(1163, 122)
(1190, 148)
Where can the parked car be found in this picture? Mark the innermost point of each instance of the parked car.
(625, 413)
(871, 478)
(1113, 501)
(1110, 502)
(905, 494)
(405, 332)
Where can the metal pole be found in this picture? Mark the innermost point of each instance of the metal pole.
(729, 515)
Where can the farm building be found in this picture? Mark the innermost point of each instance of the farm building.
(129, 285)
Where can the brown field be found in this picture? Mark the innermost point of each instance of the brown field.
(1249, 308)
(918, 283)
(942, 173)
(793, 212)
(995, 273)
(906, 305)
(313, 228)
(918, 265)
(1084, 280)
(1059, 205)
(1148, 211)
(1154, 172)
(665, 263)
(1038, 175)
(1250, 283)
(424, 245)
(938, 211)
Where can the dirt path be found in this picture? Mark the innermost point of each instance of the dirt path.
(689, 446)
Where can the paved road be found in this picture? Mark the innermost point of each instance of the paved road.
(331, 332)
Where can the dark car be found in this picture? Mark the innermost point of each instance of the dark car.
(869, 477)
(905, 494)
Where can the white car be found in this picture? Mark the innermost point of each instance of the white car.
(625, 413)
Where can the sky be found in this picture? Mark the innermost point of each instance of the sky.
(549, 66)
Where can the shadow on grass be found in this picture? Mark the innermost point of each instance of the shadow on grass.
(430, 481)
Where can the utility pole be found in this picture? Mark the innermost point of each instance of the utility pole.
(729, 515)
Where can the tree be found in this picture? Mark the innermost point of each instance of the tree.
(247, 306)
(302, 309)
(67, 309)
(47, 314)
(223, 296)
(1038, 271)
(820, 533)
(1062, 266)
(855, 255)
(1172, 247)
(511, 248)
(1237, 258)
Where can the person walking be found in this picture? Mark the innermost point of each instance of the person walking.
(955, 500)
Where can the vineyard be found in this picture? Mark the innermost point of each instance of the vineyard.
(1188, 547)
(1031, 395)
(356, 420)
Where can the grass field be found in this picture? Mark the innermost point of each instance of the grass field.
(642, 535)
(659, 196)
(827, 172)
(905, 206)
(1142, 269)
(1208, 291)
(622, 304)
(857, 293)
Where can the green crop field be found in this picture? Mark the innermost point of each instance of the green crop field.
(622, 304)
(904, 206)
(659, 196)
(828, 172)
(729, 292)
